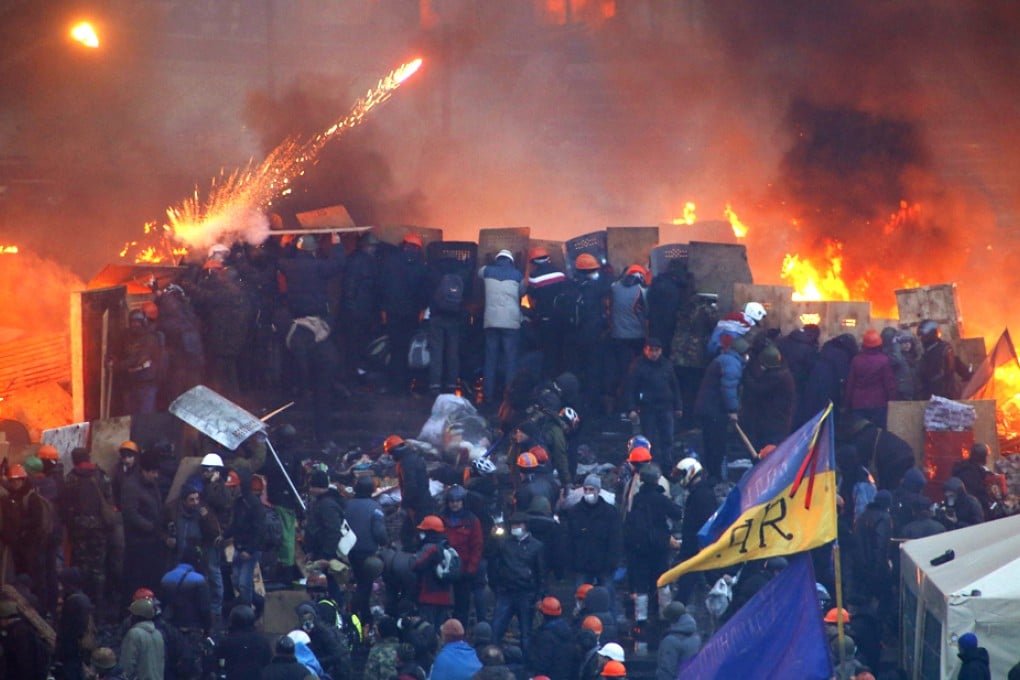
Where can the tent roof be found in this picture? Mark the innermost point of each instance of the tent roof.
(981, 552)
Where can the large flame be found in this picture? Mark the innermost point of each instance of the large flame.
(235, 205)
(739, 228)
(817, 282)
(689, 214)
(84, 33)
(8, 250)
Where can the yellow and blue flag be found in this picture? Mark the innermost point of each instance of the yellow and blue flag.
(778, 633)
(785, 504)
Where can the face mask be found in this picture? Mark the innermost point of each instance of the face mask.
(591, 498)
(307, 626)
(421, 535)
(950, 500)
(517, 532)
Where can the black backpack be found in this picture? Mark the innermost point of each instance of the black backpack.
(449, 294)
(568, 305)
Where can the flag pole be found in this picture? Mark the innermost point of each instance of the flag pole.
(837, 565)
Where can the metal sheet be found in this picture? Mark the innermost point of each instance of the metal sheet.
(66, 438)
(216, 416)
(630, 245)
(514, 239)
(594, 243)
(716, 267)
(662, 255)
(394, 233)
(106, 439)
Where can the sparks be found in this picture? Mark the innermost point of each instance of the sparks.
(234, 206)
(85, 34)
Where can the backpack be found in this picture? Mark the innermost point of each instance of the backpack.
(567, 306)
(448, 569)
(449, 294)
(271, 530)
(419, 354)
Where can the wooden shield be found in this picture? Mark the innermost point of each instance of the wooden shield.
(630, 245)
(716, 267)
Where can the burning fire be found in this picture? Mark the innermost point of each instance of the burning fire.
(85, 34)
(8, 250)
(689, 216)
(739, 228)
(813, 283)
(234, 207)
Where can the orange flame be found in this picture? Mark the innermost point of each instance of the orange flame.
(8, 250)
(739, 228)
(689, 216)
(813, 283)
(85, 34)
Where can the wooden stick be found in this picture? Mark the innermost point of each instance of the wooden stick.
(747, 442)
(104, 390)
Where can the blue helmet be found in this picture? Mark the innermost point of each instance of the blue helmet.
(638, 440)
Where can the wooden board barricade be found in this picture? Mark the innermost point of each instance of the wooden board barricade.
(87, 308)
(716, 267)
(106, 438)
(707, 231)
(939, 303)
(906, 421)
(777, 300)
(492, 240)
(630, 245)
(332, 216)
(835, 317)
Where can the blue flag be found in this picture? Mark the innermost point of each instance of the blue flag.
(778, 633)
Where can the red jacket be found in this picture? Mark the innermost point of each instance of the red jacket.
(870, 383)
(464, 532)
(430, 589)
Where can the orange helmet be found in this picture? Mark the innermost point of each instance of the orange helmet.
(151, 310)
(48, 452)
(232, 479)
(527, 461)
(614, 669)
(639, 454)
(538, 252)
(586, 262)
(550, 606)
(592, 623)
(213, 264)
(258, 483)
(638, 270)
(832, 614)
(582, 591)
(540, 454)
(392, 442)
(413, 238)
(128, 446)
(431, 523)
(17, 471)
(143, 594)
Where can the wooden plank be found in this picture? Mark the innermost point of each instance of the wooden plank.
(330, 217)
(906, 421)
(630, 245)
(777, 300)
(716, 267)
(939, 303)
(44, 629)
(86, 314)
(493, 240)
(107, 436)
(835, 317)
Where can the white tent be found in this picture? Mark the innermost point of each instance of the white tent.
(977, 591)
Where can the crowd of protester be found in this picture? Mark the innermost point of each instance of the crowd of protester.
(536, 557)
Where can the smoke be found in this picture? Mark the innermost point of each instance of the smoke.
(829, 114)
(36, 293)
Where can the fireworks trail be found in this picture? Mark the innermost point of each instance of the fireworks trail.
(234, 207)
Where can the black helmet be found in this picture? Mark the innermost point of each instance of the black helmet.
(285, 646)
(373, 566)
(242, 617)
(929, 332)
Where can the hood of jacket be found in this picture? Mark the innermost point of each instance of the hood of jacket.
(955, 484)
(913, 480)
(685, 625)
(597, 600)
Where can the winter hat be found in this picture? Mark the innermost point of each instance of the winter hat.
(883, 499)
(456, 493)
(482, 633)
(149, 460)
(593, 481)
(968, 641)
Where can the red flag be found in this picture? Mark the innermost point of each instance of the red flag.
(981, 385)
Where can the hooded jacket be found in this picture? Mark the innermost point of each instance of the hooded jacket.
(142, 652)
(548, 651)
(504, 286)
(325, 519)
(680, 643)
(718, 394)
(455, 661)
(975, 664)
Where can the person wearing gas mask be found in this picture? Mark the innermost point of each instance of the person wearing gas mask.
(959, 509)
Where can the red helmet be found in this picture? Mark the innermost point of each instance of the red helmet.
(232, 479)
(151, 310)
(582, 591)
(392, 442)
(639, 454)
(143, 594)
(550, 606)
(592, 623)
(540, 454)
(538, 252)
(431, 523)
(17, 471)
(638, 270)
(614, 669)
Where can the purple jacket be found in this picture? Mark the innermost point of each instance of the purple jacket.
(871, 383)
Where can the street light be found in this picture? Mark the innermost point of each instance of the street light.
(84, 33)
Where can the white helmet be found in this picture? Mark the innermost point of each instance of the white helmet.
(612, 650)
(218, 249)
(570, 417)
(755, 311)
(484, 466)
(688, 469)
(299, 636)
(212, 460)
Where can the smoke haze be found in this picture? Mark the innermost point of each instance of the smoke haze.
(823, 114)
